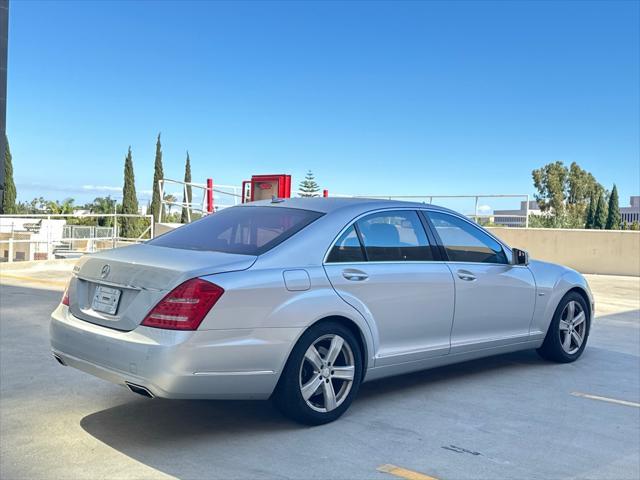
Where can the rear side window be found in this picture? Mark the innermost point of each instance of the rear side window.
(464, 242)
(394, 236)
(243, 230)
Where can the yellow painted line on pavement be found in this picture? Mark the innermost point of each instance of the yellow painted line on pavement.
(403, 472)
(57, 283)
(606, 399)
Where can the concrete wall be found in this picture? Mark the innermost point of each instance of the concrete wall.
(607, 252)
(613, 252)
(160, 228)
(14, 248)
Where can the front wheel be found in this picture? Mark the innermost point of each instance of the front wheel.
(569, 329)
(322, 375)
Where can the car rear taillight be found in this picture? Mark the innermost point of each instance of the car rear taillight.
(185, 306)
(65, 295)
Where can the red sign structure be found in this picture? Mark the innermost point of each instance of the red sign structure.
(265, 187)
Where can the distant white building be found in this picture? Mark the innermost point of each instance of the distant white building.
(516, 218)
(29, 238)
(631, 214)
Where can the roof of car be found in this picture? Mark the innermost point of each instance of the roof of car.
(329, 204)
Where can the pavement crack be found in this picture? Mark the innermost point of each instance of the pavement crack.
(456, 449)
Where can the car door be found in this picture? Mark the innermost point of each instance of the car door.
(494, 299)
(384, 265)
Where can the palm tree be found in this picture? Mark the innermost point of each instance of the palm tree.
(104, 205)
(56, 208)
(169, 199)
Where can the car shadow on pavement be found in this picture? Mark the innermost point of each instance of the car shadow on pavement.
(157, 420)
(218, 439)
(151, 430)
(154, 422)
(459, 372)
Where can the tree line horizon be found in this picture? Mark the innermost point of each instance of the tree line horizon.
(569, 197)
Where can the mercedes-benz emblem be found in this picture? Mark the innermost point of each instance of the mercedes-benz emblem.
(105, 271)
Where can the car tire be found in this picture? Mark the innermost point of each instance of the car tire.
(568, 332)
(322, 375)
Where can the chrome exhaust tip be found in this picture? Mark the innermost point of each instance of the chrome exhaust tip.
(59, 359)
(140, 390)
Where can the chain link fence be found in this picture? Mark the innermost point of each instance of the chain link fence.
(46, 237)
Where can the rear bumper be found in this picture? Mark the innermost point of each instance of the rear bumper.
(208, 364)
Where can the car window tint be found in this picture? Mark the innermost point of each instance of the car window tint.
(244, 230)
(347, 248)
(394, 236)
(464, 242)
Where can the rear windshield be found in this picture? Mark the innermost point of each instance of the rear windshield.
(243, 230)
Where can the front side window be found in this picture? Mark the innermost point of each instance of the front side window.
(394, 236)
(464, 242)
(243, 230)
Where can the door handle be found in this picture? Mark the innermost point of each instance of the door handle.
(354, 275)
(466, 276)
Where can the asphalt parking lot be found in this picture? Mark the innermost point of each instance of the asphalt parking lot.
(513, 416)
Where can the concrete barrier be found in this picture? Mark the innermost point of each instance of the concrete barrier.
(612, 252)
(606, 252)
(160, 228)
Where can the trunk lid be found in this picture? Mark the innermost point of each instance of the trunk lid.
(142, 274)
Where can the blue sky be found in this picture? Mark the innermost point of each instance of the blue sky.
(375, 98)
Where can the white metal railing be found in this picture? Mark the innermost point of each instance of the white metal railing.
(518, 217)
(188, 203)
(229, 195)
(40, 240)
(511, 219)
(223, 196)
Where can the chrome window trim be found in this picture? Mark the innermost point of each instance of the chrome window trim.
(505, 247)
(458, 262)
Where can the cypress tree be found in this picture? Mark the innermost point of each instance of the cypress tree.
(9, 198)
(591, 211)
(187, 179)
(129, 200)
(156, 204)
(600, 219)
(613, 216)
(309, 187)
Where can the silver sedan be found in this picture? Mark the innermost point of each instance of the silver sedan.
(302, 300)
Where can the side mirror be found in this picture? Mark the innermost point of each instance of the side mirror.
(519, 257)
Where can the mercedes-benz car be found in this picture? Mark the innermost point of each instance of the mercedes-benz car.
(302, 300)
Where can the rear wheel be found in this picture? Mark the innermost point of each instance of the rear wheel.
(322, 375)
(569, 329)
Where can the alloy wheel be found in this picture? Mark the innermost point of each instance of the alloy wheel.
(326, 373)
(572, 327)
